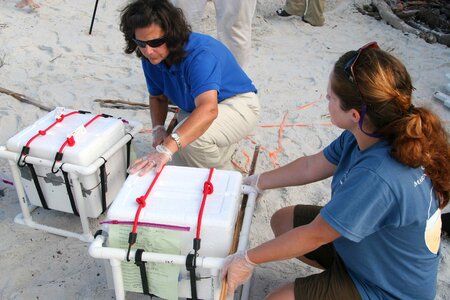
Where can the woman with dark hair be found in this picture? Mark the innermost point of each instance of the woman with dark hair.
(379, 235)
(218, 101)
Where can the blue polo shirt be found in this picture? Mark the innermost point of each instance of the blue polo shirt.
(209, 65)
(381, 208)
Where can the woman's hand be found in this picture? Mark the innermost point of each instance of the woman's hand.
(159, 134)
(237, 269)
(253, 181)
(151, 161)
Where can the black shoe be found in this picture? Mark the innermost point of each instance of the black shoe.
(284, 14)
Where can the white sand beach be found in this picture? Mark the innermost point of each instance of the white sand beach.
(48, 55)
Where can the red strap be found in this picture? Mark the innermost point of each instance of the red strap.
(208, 189)
(44, 132)
(141, 200)
(71, 140)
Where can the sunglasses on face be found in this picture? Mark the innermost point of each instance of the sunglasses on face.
(152, 43)
(349, 70)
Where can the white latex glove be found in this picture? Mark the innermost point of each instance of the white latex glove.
(159, 134)
(237, 269)
(253, 181)
(151, 161)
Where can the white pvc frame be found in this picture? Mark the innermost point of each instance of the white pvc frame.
(116, 255)
(75, 171)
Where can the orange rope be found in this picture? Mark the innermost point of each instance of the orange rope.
(295, 125)
(309, 104)
(273, 155)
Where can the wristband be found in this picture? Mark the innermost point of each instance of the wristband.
(164, 150)
(174, 135)
(248, 260)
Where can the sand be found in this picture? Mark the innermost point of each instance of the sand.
(48, 55)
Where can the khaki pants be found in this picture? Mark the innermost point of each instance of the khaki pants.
(233, 21)
(237, 117)
(310, 10)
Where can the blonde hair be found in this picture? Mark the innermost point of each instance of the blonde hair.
(416, 135)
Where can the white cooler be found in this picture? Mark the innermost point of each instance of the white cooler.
(173, 205)
(91, 141)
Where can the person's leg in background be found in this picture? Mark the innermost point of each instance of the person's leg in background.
(192, 10)
(310, 10)
(234, 27)
(314, 12)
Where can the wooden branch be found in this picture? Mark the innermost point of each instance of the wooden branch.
(240, 220)
(386, 13)
(122, 104)
(172, 124)
(25, 99)
(110, 103)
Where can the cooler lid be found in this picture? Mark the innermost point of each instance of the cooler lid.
(89, 142)
(177, 196)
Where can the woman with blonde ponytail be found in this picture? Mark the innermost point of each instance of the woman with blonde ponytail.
(378, 237)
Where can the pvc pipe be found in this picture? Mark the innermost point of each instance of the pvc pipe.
(117, 278)
(20, 192)
(97, 251)
(248, 215)
(443, 97)
(20, 220)
(245, 293)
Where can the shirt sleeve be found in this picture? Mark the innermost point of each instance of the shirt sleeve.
(333, 152)
(204, 73)
(362, 204)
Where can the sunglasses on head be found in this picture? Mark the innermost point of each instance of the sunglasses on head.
(349, 70)
(350, 64)
(152, 43)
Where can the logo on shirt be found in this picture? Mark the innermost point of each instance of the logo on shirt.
(421, 179)
(433, 232)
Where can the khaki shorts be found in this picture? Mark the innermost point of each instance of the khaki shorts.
(334, 282)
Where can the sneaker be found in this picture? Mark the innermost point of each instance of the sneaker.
(284, 14)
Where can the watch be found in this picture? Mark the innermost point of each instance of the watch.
(177, 139)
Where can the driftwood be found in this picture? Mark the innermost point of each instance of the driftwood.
(108, 103)
(239, 221)
(25, 99)
(402, 14)
(122, 104)
(386, 13)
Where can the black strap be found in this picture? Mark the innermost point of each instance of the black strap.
(69, 192)
(128, 151)
(190, 266)
(141, 264)
(98, 232)
(25, 151)
(103, 184)
(37, 185)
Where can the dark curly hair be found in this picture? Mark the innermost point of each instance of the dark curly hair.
(416, 135)
(143, 13)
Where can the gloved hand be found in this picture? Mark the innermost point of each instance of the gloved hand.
(237, 269)
(159, 134)
(153, 160)
(253, 181)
